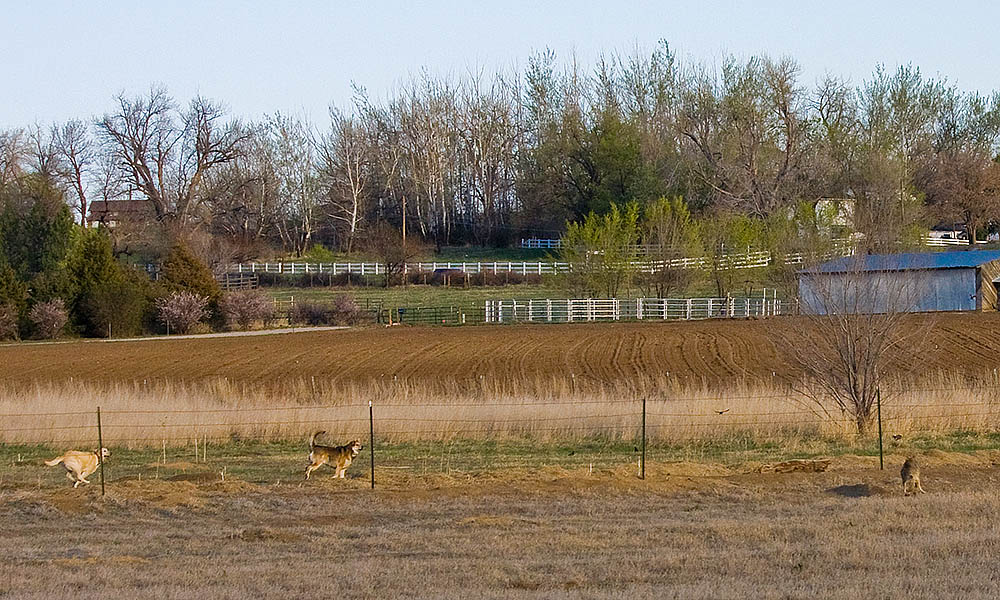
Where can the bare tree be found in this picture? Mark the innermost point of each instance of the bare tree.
(291, 149)
(426, 113)
(166, 153)
(961, 180)
(963, 186)
(858, 319)
(76, 153)
(43, 156)
(383, 132)
(489, 135)
(345, 173)
(385, 242)
(749, 132)
(13, 156)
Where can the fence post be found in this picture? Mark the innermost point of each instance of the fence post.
(878, 404)
(371, 439)
(642, 465)
(100, 447)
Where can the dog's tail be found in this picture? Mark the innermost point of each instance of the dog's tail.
(55, 461)
(312, 440)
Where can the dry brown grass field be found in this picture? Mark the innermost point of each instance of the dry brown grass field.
(506, 467)
(690, 530)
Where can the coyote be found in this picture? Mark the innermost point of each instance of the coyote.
(910, 474)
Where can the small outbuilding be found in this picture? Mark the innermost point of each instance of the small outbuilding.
(912, 282)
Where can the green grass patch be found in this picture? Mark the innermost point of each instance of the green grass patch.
(416, 295)
(272, 462)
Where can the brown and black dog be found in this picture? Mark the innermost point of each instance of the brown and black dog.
(79, 464)
(338, 457)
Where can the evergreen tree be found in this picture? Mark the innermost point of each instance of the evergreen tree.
(183, 272)
(108, 297)
(91, 262)
(36, 227)
(13, 291)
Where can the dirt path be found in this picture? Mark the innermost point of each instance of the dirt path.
(196, 336)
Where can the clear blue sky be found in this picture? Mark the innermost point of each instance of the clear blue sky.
(64, 59)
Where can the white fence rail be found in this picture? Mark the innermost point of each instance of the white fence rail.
(731, 261)
(937, 241)
(371, 268)
(642, 309)
(738, 260)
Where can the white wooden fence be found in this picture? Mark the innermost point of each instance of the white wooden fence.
(642, 309)
(736, 260)
(551, 243)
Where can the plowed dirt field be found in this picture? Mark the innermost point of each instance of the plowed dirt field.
(714, 351)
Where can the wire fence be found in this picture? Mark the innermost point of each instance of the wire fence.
(270, 443)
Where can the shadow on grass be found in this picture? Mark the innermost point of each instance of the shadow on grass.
(859, 490)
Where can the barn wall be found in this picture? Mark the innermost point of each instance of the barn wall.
(894, 291)
(988, 273)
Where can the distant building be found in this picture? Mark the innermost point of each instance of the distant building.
(918, 282)
(836, 212)
(112, 213)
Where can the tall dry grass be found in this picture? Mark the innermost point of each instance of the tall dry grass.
(149, 413)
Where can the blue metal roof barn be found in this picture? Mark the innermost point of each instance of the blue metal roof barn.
(909, 282)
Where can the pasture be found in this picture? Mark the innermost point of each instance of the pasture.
(690, 530)
(507, 463)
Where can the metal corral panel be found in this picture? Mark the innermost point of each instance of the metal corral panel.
(947, 289)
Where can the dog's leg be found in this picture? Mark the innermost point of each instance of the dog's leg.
(312, 467)
(920, 488)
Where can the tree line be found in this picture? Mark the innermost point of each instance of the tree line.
(486, 159)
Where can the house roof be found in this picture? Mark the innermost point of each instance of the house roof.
(908, 261)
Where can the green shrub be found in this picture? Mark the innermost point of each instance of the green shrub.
(183, 272)
(320, 253)
(119, 307)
